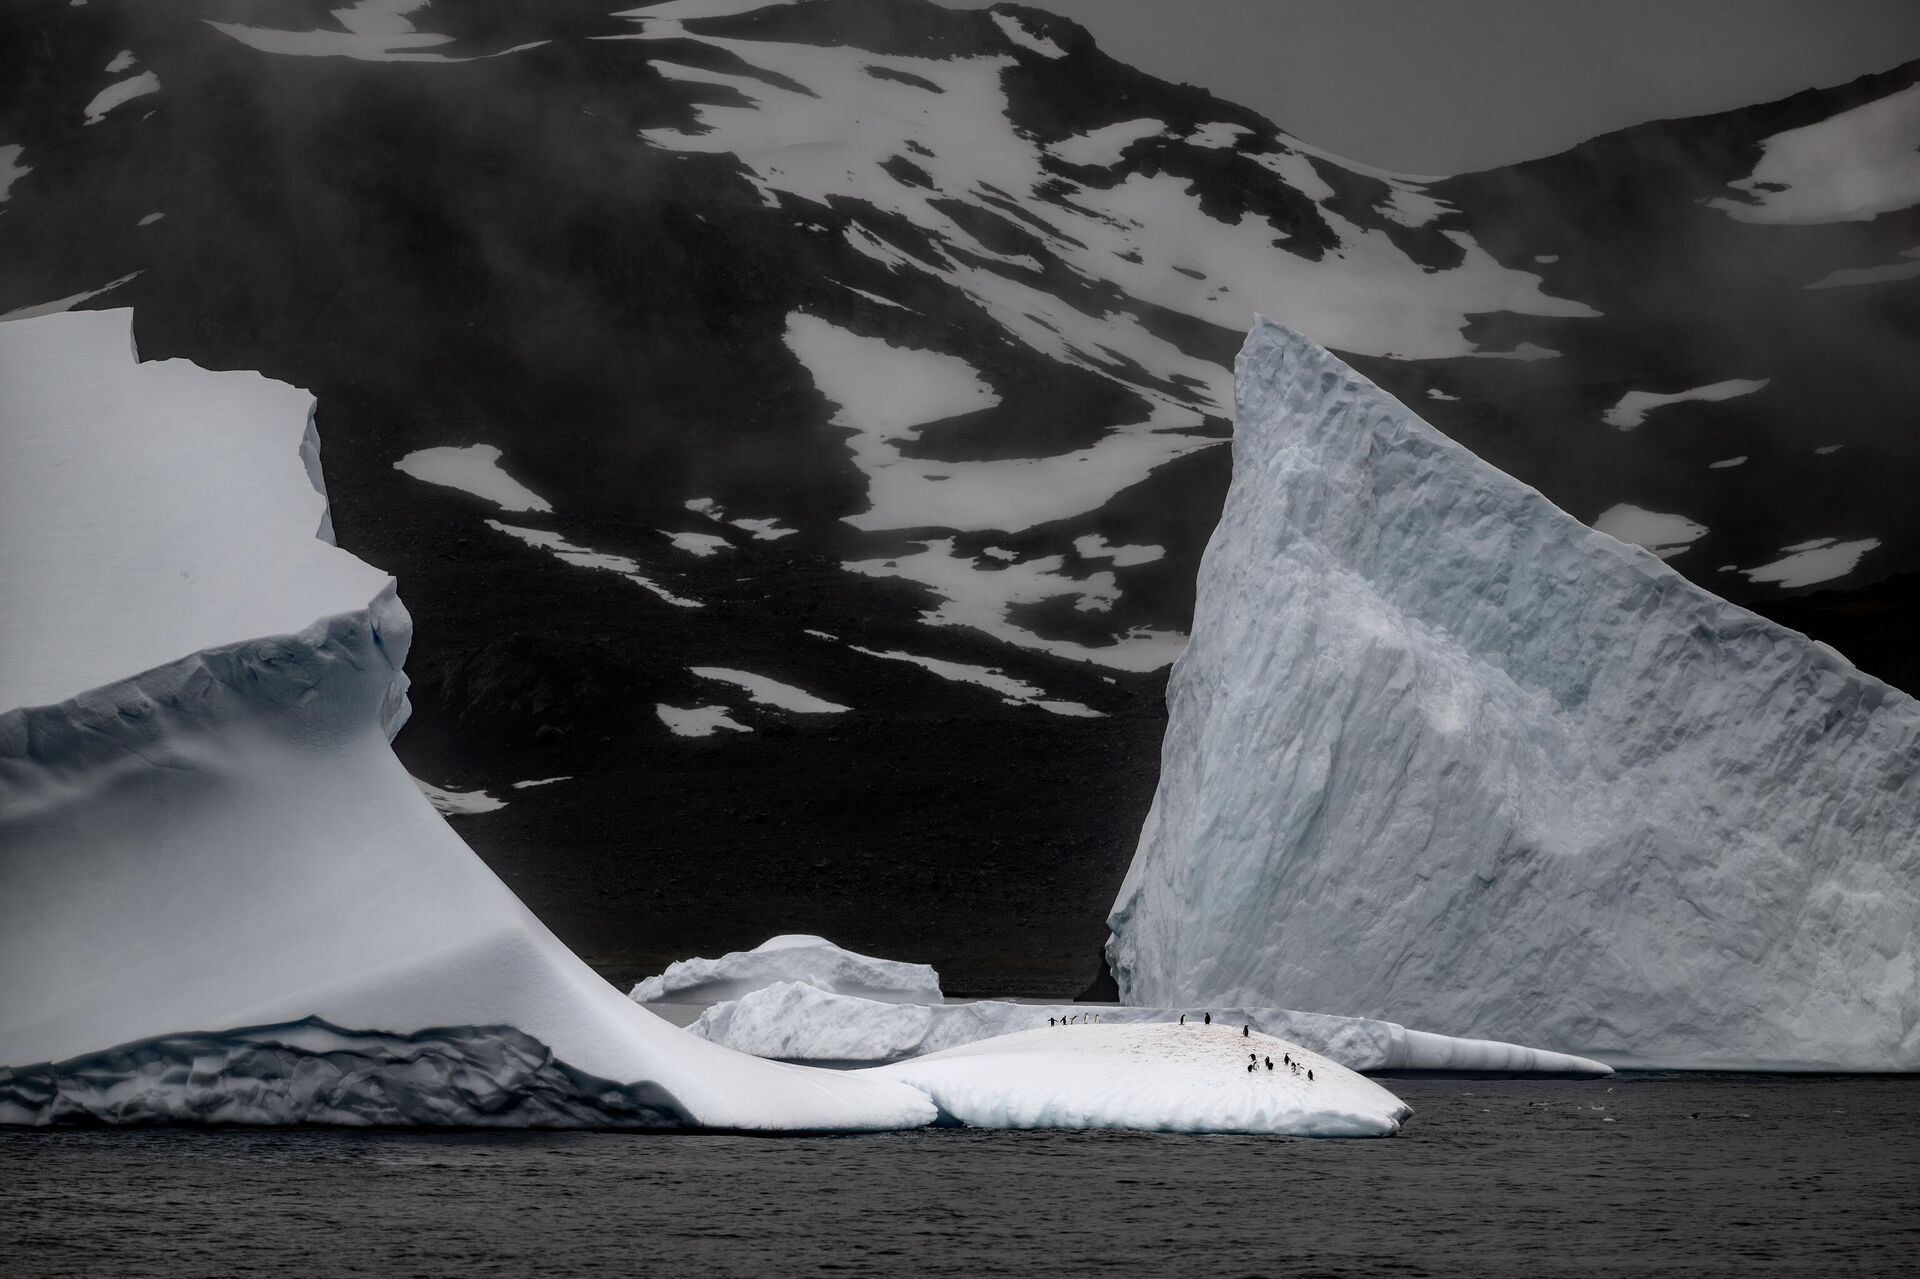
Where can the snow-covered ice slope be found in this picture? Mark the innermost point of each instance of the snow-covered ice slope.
(1439, 753)
(792, 1021)
(1158, 1078)
(792, 957)
(202, 828)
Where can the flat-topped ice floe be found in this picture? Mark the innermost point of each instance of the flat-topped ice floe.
(1440, 753)
(793, 957)
(790, 1021)
(219, 889)
(1153, 1078)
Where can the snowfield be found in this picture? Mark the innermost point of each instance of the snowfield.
(1438, 753)
(1154, 1078)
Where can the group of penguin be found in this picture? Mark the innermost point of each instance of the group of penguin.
(1246, 1032)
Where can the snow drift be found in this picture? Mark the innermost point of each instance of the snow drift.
(1150, 1078)
(791, 1021)
(1440, 753)
(203, 832)
(793, 957)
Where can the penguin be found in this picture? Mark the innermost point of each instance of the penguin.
(1309, 1075)
(1246, 1032)
(1269, 1063)
(1208, 1017)
(1253, 1057)
(1049, 1021)
(1183, 1019)
(1287, 1058)
(1249, 1068)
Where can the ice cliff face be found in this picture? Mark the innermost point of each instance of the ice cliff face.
(793, 957)
(1442, 754)
(203, 829)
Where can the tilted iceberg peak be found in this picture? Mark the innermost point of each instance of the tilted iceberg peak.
(1440, 753)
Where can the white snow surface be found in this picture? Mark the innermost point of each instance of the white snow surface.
(1820, 560)
(459, 803)
(697, 721)
(94, 443)
(119, 93)
(767, 691)
(1154, 1078)
(581, 557)
(1852, 167)
(1884, 273)
(210, 832)
(793, 1021)
(475, 469)
(1634, 406)
(1439, 754)
(791, 957)
(1661, 532)
(1014, 692)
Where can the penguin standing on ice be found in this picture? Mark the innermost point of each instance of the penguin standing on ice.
(1309, 1074)
(1246, 1031)
(1049, 1021)
(1183, 1019)
(1269, 1063)
(1208, 1018)
(1249, 1068)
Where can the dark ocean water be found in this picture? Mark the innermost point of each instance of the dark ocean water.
(1628, 1176)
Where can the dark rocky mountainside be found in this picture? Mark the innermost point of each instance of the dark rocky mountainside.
(883, 351)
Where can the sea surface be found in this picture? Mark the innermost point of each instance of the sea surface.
(1635, 1175)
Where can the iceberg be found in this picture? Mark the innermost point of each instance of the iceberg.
(791, 1021)
(1151, 1078)
(1439, 753)
(221, 896)
(793, 957)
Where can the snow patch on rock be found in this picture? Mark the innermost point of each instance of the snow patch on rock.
(1633, 407)
(475, 469)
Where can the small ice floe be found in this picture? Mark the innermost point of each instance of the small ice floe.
(541, 781)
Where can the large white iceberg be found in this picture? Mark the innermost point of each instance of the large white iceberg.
(792, 1021)
(1156, 1078)
(221, 896)
(1439, 753)
(792, 957)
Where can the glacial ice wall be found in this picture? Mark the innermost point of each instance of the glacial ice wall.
(1438, 753)
(202, 826)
